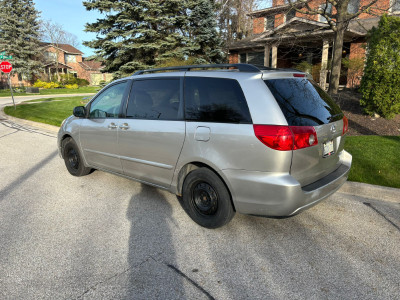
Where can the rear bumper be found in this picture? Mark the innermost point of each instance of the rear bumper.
(280, 195)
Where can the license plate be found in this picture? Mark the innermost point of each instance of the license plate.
(328, 148)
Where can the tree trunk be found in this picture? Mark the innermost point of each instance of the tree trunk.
(337, 59)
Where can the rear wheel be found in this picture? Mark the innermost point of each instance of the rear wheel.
(206, 199)
(72, 158)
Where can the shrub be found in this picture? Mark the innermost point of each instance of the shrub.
(304, 66)
(71, 86)
(380, 86)
(46, 85)
(354, 67)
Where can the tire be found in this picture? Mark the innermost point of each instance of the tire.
(72, 158)
(206, 199)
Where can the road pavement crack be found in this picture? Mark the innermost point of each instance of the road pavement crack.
(380, 213)
(194, 283)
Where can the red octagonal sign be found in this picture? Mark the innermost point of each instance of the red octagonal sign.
(5, 66)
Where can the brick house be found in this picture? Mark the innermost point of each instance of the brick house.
(283, 37)
(68, 60)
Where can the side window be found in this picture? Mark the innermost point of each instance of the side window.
(154, 99)
(108, 103)
(215, 100)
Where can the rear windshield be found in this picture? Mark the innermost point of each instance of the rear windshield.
(303, 102)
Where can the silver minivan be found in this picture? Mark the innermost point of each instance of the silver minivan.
(225, 138)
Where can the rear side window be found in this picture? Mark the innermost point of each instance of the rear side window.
(154, 99)
(303, 102)
(215, 100)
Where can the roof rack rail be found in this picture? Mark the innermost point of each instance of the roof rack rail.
(240, 67)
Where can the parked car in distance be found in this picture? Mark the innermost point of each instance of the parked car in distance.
(227, 138)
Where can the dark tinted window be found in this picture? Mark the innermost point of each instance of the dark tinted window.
(303, 102)
(156, 99)
(215, 100)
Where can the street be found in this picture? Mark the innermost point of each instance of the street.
(105, 237)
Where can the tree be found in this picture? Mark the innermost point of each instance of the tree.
(54, 33)
(338, 15)
(380, 85)
(141, 34)
(203, 35)
(233, 21)
(19, 32)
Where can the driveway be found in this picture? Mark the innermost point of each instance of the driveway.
(106, 237)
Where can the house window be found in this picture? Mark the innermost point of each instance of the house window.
(70, 58)
(327, 10)
(50, 56)
(290, 14)
(242, 58)
(353, 7)
(269, 22)
(256, 58)
(396, 6)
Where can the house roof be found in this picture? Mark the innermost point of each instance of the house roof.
(91, 65)
(63, 47)
(304, 29)
(57, 65)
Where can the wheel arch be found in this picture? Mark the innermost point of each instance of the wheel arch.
(191, 166)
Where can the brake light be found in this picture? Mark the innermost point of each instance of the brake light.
(345, 125)
(299, 75)
(285, 138)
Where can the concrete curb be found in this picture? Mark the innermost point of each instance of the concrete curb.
(371, 191)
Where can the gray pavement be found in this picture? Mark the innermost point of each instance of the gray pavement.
(106, 237)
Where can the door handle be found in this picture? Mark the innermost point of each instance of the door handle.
(112, 126)
(124, 126)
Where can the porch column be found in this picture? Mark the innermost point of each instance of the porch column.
(324, 64)
(267, 49)
(274, 62)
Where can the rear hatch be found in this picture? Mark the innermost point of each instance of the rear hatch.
(306, 105)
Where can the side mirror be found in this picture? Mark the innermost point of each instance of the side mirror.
(79, 111)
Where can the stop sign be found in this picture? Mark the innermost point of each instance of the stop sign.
(5, 66)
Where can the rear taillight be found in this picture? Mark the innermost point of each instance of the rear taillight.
(284, 138)
(345, 125)
(304, 136)
(299, 75)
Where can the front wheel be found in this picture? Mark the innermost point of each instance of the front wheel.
(206, 199)
(72, 158)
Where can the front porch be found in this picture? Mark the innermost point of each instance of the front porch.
(299, 43)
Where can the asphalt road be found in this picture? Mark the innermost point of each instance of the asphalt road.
(106, 237)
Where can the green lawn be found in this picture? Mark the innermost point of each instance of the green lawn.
(50, 111)
(376, 159)
(81, 90)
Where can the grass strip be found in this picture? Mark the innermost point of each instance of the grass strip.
(376, 159)
(48, 112)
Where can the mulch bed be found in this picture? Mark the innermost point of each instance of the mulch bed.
(359, 122)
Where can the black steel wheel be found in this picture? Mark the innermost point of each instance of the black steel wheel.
(206, 199)
(72, 158)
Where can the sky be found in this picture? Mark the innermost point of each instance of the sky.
(72, 15)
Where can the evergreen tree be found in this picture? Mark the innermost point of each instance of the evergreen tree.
(19, 32)
(205, 40)
(380, 85)
(139, 34)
